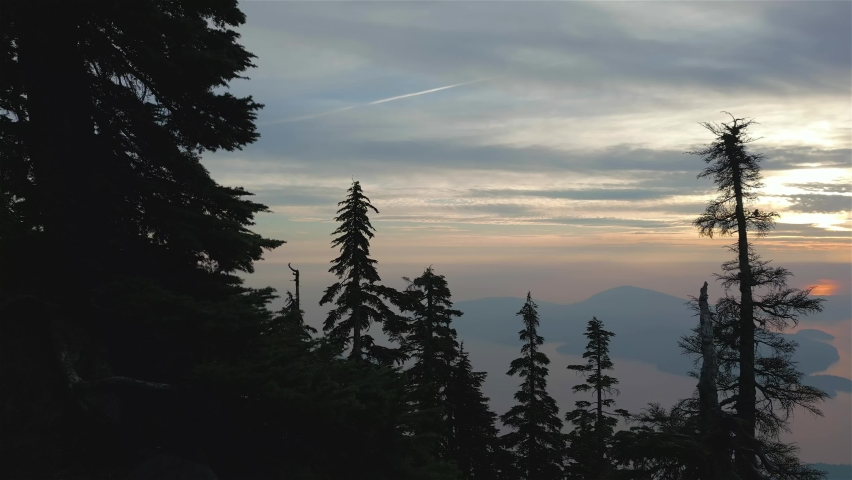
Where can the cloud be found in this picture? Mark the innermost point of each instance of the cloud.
(605, 222)
(795, 157)
(822, 187)
(612, 193)
(570, 161)
(816, 203)
(764, 46)
(298, 196)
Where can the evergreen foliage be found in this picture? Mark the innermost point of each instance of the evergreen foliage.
(120, 255)
(290, 323)
(590, 441)
(291, 412)
(431, 342)
(536, 439)
(473, 436)
(360, 302)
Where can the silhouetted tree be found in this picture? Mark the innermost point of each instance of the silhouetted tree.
(473, 441)
(360, 301)
(777, 380)
(699, 437)
(119, 253)
(736, 173)
(290, 323)
(313, 415)
(594, 425)
(747, 321)
(716, 440)
(537, 437)
(431, 342)
(691, 441)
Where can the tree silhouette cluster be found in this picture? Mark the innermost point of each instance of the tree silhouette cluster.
(130, 347)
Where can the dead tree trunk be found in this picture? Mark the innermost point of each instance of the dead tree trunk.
(296, 274)
(716, 426)
(708, 399)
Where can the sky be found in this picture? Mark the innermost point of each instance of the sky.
(540, 146)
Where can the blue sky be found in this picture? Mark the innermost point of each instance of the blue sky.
(559, 165)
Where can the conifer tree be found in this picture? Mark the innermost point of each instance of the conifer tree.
(431, 342)
(594, 424)
(757, 380)
(473, 441)
(289, 321)
(360, 302)
(537, 438)
(747, 321)
(736, 173)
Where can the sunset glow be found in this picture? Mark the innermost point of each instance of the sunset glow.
(825, 288)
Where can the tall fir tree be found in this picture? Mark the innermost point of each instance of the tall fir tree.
(473, 441)
(431, 342)
(756, 378)
(736, 173)
(591, 439)
(537, 438)
(748, 321)
(360, 302)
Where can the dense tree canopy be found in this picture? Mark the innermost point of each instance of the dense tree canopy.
(120, 254)
(473, 437)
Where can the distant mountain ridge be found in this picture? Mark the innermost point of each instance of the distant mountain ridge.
(647, 326)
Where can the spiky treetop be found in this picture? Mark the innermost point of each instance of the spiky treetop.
(537, 439)
(360, 302)
(431, 340)
(593, 424)
(354, 241)
(736, 173)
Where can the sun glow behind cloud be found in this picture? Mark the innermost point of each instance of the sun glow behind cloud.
(826, 287)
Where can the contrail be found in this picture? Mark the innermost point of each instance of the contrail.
(391, 99)
(424, 92)
(384, 100)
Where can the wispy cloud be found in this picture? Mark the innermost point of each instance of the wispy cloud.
(549, 130)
